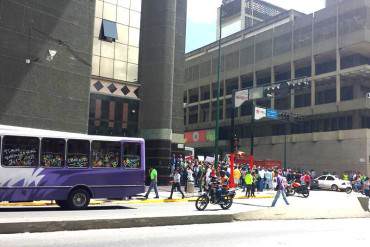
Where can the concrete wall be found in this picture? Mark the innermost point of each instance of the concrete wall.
(43, 94)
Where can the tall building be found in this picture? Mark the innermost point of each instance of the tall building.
(330, 48)
(239, 15)
(45, 63)
(138, 74)
(114, 85)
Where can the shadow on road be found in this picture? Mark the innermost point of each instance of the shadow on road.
(253, 205)
(52, 208)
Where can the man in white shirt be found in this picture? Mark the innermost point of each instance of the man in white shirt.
(176, 184)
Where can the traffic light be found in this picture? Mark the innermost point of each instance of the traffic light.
(284, 116)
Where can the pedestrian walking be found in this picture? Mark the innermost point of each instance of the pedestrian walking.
(237, 174)
(248, 182)
(280, 189)
(153, 182)
(176, 183)
(254, 184)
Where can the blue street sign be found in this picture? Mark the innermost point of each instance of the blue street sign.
(272, 114)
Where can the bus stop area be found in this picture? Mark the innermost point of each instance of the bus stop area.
(121, 214)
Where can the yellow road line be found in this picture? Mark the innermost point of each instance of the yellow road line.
(101, 202)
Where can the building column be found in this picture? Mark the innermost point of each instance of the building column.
(338, 60)
(292, 91)
(313, 66)
(272, 82)
(199, 99)
(292, 69)
(210, 102)
(161, 40)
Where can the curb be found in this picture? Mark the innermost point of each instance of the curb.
(80, 225)
(53, 226)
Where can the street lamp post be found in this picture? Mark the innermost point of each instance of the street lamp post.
(217, 128)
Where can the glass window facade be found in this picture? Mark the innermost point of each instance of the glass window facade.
(117, 60)
(113, 116)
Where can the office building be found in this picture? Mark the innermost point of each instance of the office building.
(330, 48)
(114, 85)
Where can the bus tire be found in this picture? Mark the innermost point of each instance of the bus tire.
(78, 199)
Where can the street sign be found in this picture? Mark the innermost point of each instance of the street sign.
(259, 113)
(256, 93)
(241, 97)
(272, 114)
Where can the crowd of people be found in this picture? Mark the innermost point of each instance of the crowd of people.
(249, 180)
(246, 179)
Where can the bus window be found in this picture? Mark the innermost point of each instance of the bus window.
(52, 152)
(78, 153)
(20, 151)
(131, 155)
(106, 154)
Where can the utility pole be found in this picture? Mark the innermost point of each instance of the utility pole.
(217, 128)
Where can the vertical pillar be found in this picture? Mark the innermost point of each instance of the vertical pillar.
(210, 102)
(313, 66)
(162, 40)
(272, 82)
(338, 60)
(199, 108)
(292, 67)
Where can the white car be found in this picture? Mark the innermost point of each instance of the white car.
(332, 182)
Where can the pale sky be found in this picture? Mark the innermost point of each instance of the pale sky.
(202, 14)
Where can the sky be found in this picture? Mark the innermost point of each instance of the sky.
(202, 15)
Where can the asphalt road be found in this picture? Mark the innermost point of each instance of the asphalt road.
(350, 232)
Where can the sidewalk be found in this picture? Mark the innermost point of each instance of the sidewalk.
(163, 191)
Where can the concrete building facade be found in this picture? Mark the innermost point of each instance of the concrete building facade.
(45, 63)
(331, 48)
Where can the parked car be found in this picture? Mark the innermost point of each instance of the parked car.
(332, 182)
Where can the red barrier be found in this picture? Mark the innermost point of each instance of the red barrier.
(231, 179)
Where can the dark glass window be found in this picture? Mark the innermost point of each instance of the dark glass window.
(205, 93)
(193, 95)
(52, 152)
(78, 153)
(229, 108)
(131, 157)
(20, 151)
(246, 109)
(346, 93)
(214, 90)
(204, 112)
(193, 114)
(302, 100)
(322, 178)
(214, 110)
(231, 85)
(330, 178)
(247, 81)
(106, 154)
(108, 31)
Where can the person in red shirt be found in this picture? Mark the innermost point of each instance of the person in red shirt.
(307, 179)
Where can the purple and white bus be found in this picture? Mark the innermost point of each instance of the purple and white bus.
(67, 167)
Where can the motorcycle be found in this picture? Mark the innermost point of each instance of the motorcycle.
(295, 187)
(225, 200)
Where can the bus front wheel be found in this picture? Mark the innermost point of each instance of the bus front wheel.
(78, 199)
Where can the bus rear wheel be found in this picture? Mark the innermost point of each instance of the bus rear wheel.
(78, 199)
